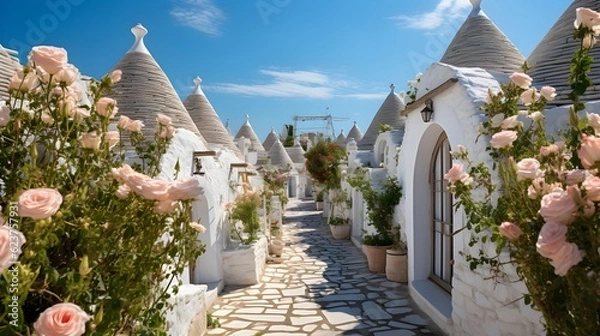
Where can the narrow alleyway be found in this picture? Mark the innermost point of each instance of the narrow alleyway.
(323, 287)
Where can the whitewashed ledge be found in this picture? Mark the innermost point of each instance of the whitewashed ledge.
(188, 316)
(245, 264)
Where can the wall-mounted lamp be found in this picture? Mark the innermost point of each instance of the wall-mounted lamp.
(427, 111)
(197, 161)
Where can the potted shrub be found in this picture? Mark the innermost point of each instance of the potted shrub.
(380, 212)
(340, 227)
(319, 201)
(396, 262)
(245, 210)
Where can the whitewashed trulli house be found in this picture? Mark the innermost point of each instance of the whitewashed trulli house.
(299, 180)
(388, 114)
(254, 150)
(279, 157)
(341, 139)
(144, 91)
(9, 63)
(207, 120)
(271, 138)
(354, 133)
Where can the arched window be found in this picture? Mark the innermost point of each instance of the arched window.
(442, 216)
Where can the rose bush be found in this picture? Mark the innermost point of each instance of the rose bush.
(85, 237)
(539, 203)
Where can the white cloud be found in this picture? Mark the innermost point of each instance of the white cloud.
(445, 11)
(202, 15)
(295, 84)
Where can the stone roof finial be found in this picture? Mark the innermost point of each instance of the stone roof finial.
(392, 87)
(247, 122)
(272, 129)
(139, 32)
(476, 6)
(198, 82)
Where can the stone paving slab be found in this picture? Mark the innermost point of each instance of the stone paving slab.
(322, 288)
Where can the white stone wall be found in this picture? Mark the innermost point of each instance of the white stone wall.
(245, 264)
(476, 306)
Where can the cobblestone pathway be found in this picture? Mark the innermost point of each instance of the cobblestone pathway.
(322, 288)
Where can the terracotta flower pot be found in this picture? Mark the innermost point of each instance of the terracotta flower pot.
(396, 266)
(319, 205)
(375, 257)
(276, 247)
(340, 231)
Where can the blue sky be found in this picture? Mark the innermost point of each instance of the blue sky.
(272, 59)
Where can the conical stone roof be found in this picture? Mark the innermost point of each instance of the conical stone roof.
(144, 90)
(206, 119)
(8, 66)
(341, 139)
(479, 43)
(388, 113)
(550, 60)
(296, 152)
(279, 156)
(247, 132)
(270, 139)
(355, 133)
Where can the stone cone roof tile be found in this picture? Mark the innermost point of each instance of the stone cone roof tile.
(279, 156)
(208, 122)
(144, 90)
(480, 43)
(341, 139)
(355, 133)
(296, 152)
(8, 66)
(550, 60)
(271, 138)
(247, 132)
(388, 113)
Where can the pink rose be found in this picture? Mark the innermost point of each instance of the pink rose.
(575, 176)
(90, 140)
(536, 116)
(510, 123)
(185, 189)
(115, 76)
(123, 191)
(503, 139)
(589, 152)
(106, 107)
(11, 242)
(68, 74)
(548, 92)
(589, 209)
(166, 132)
(528, 169)
(551, 238)
(457, 173)
(24, 83)
(4, 114)
(566, 257)
(150, 189)
(130, 125)
(587, 17)
(51, 59)
(592, 188)
(540, 187)
(112, 137)
(63, 319)
(530, 96)
(521, 80)
(594, 121)
(163, 120)
(510, 230)
(134, 179)
(39, 203)
(548, 150)
(164, 206)
(589, 41)
(120, 174)
(559, 207)
(198, 227)
(46, 118)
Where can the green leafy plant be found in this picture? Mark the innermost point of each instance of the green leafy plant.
(245, 209)
(384, 128)
(338, 221)
(380, 206)
(212, 322)
(323, 163)
(543, 208)
(100, 240)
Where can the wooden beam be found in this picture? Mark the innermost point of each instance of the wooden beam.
(429, 95)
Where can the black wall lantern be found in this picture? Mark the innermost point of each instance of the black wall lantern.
(197, 161)
(427, 111)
